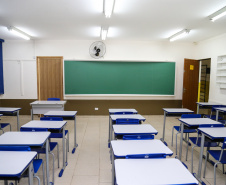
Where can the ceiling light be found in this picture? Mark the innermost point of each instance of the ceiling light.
(108, 7)
(179, 35)
(19, 33)
(218, 14)
(103, 34)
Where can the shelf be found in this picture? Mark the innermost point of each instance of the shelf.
(221, 82)
(221, 69)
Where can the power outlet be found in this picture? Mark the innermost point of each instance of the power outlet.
(96, 108)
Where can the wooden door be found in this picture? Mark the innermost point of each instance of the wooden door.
(190, 84)
(50, 77)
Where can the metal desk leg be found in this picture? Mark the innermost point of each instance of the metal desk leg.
(30, 174)
(5, 182)
(181, 140)
(217, 115)
(198, 176)
(18, 121)
(32, 114)
(198, 109)
(109, 131)
(113, 169)
(164, 125)
(75, 143)
(47, 161)
(64, 163)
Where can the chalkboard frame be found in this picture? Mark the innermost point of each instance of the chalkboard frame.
(121, 63)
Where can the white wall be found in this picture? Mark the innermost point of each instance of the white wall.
(20, 66)
(212, 48)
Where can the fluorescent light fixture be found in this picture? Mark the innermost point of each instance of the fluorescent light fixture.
(19, 33)
(218, 14)
(179, 35)
(108, 7)
(103, 34)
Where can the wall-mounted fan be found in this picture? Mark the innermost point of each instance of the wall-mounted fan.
(97, 49)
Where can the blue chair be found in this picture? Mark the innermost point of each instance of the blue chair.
(52, 145)
(36, 162)
(213, 112)
(57, 135)
(197, 142)
(138, 137)
(3, 125)
(124, 121)
(219, 156)
(186, 131)
(53, 99)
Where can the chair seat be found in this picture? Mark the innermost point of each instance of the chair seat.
(177, 128)
(58, 135)
(3, 125)
(206, 144)
(52, 145)
(216, 155)
(36, 164)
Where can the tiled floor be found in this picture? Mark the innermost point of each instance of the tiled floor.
(90, 165)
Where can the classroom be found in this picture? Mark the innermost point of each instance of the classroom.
(102, 64)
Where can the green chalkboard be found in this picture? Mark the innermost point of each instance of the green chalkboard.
(107, 77)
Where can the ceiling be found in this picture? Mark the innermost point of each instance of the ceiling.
(138, 20)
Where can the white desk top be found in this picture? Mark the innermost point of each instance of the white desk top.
(177, 110)
(152, 172)
(207, 103)
(134, 129)
(199, 121)
(121, 148)
(44, 124)
(223, 109)
(111, 111)
(48, 102)
(61, 113)
(133, 116)
(214, 133)
(8, 109)
(13, 163)
(24, 138)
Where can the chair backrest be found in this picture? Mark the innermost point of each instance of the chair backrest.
(145, 156)
(15, 148)
(127, 121)
(138, 137)
(51, 119)
(22, 129)
(224, 144)
(123, 113)
(191, 116)
(53, 99)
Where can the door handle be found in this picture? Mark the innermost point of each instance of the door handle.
(184, 90)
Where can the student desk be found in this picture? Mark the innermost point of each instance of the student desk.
(14, 164)
(152, 172)
(65, 115)
(134, 129)
(173, 112)
(52, 126)
(127, 116)
(215, 134)
(32, 139)
(42, 107)
(11, 111)
(194, 123)
(122, 148)
(113, 111)
(205, 105)
(223, 109)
